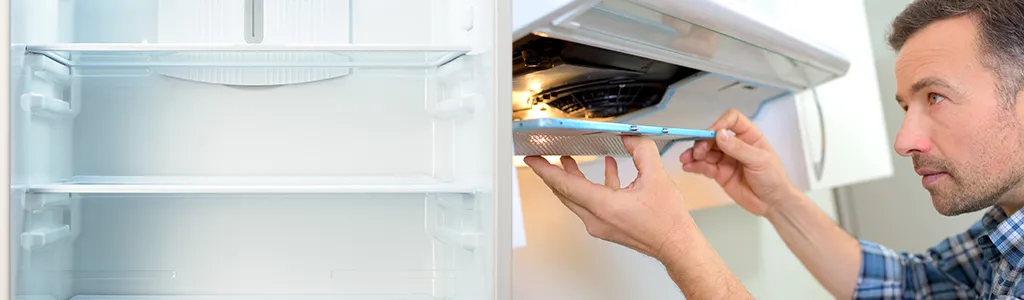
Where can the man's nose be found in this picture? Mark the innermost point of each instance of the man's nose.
(912, 137)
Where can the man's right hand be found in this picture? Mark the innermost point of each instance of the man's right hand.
(751, 173)
(744, 165)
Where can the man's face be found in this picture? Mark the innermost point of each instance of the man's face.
(964, 141)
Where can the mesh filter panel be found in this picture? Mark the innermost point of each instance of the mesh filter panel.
(598, 144)
(556, 136)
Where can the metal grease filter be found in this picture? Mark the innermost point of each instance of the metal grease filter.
(595, 144)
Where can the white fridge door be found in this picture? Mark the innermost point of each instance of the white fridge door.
(5, 216)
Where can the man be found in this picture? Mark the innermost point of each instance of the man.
(959, 74)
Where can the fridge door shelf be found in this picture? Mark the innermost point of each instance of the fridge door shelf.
(249, 185)
(135, 55)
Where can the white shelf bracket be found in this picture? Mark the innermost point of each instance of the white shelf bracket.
(464, 239)
(47, 69)
(39, 238)
(33, 201)
(44, 106)
(456, 107)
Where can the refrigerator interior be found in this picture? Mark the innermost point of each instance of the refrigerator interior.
(262, 149)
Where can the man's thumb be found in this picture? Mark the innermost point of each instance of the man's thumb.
(737, 148)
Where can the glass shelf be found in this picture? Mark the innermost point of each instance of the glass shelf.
(114, 55)
(248, 185)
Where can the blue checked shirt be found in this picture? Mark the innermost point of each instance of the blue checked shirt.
(985, 262)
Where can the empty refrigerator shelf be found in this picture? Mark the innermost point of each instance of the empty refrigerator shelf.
(114, 55)
(248, 185)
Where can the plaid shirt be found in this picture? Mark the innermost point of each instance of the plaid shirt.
(985, 262)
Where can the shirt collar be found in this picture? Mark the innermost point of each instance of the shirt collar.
(992, 218)
(1006, 234)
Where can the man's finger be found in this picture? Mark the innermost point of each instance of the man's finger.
(696, 167)
(739, 149)
(611, 173)
(645, 153)
(687, 156)
(585, 215)
(713, 156)
(739, 124)
(710, 171)
(700, 148)
(570, 166)
(577, 189)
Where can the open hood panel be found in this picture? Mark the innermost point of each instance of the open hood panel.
(677, 63)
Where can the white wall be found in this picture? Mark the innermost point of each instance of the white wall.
(880, 210)
(561, 261)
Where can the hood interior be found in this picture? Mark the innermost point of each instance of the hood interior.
(557, 78)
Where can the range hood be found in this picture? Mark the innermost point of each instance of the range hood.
(673, 63)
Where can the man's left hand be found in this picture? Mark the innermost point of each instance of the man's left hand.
(646, 215)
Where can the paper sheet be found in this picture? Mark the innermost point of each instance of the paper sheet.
(518, 228)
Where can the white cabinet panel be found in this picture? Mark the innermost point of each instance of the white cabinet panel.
(856, 144)
(846, 142)
(851, 125)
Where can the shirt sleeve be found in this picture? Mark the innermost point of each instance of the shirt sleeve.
(937, 273)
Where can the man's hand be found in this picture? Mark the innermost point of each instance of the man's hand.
(645, 215)
(648, 216)
(751, 173)
(744, 165)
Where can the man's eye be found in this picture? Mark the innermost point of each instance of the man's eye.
(935, 98)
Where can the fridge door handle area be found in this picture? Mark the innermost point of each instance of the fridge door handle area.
(254, 21)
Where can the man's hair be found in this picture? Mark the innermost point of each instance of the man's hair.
(1000, 34)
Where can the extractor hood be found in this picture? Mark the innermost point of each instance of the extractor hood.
(678, 63)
